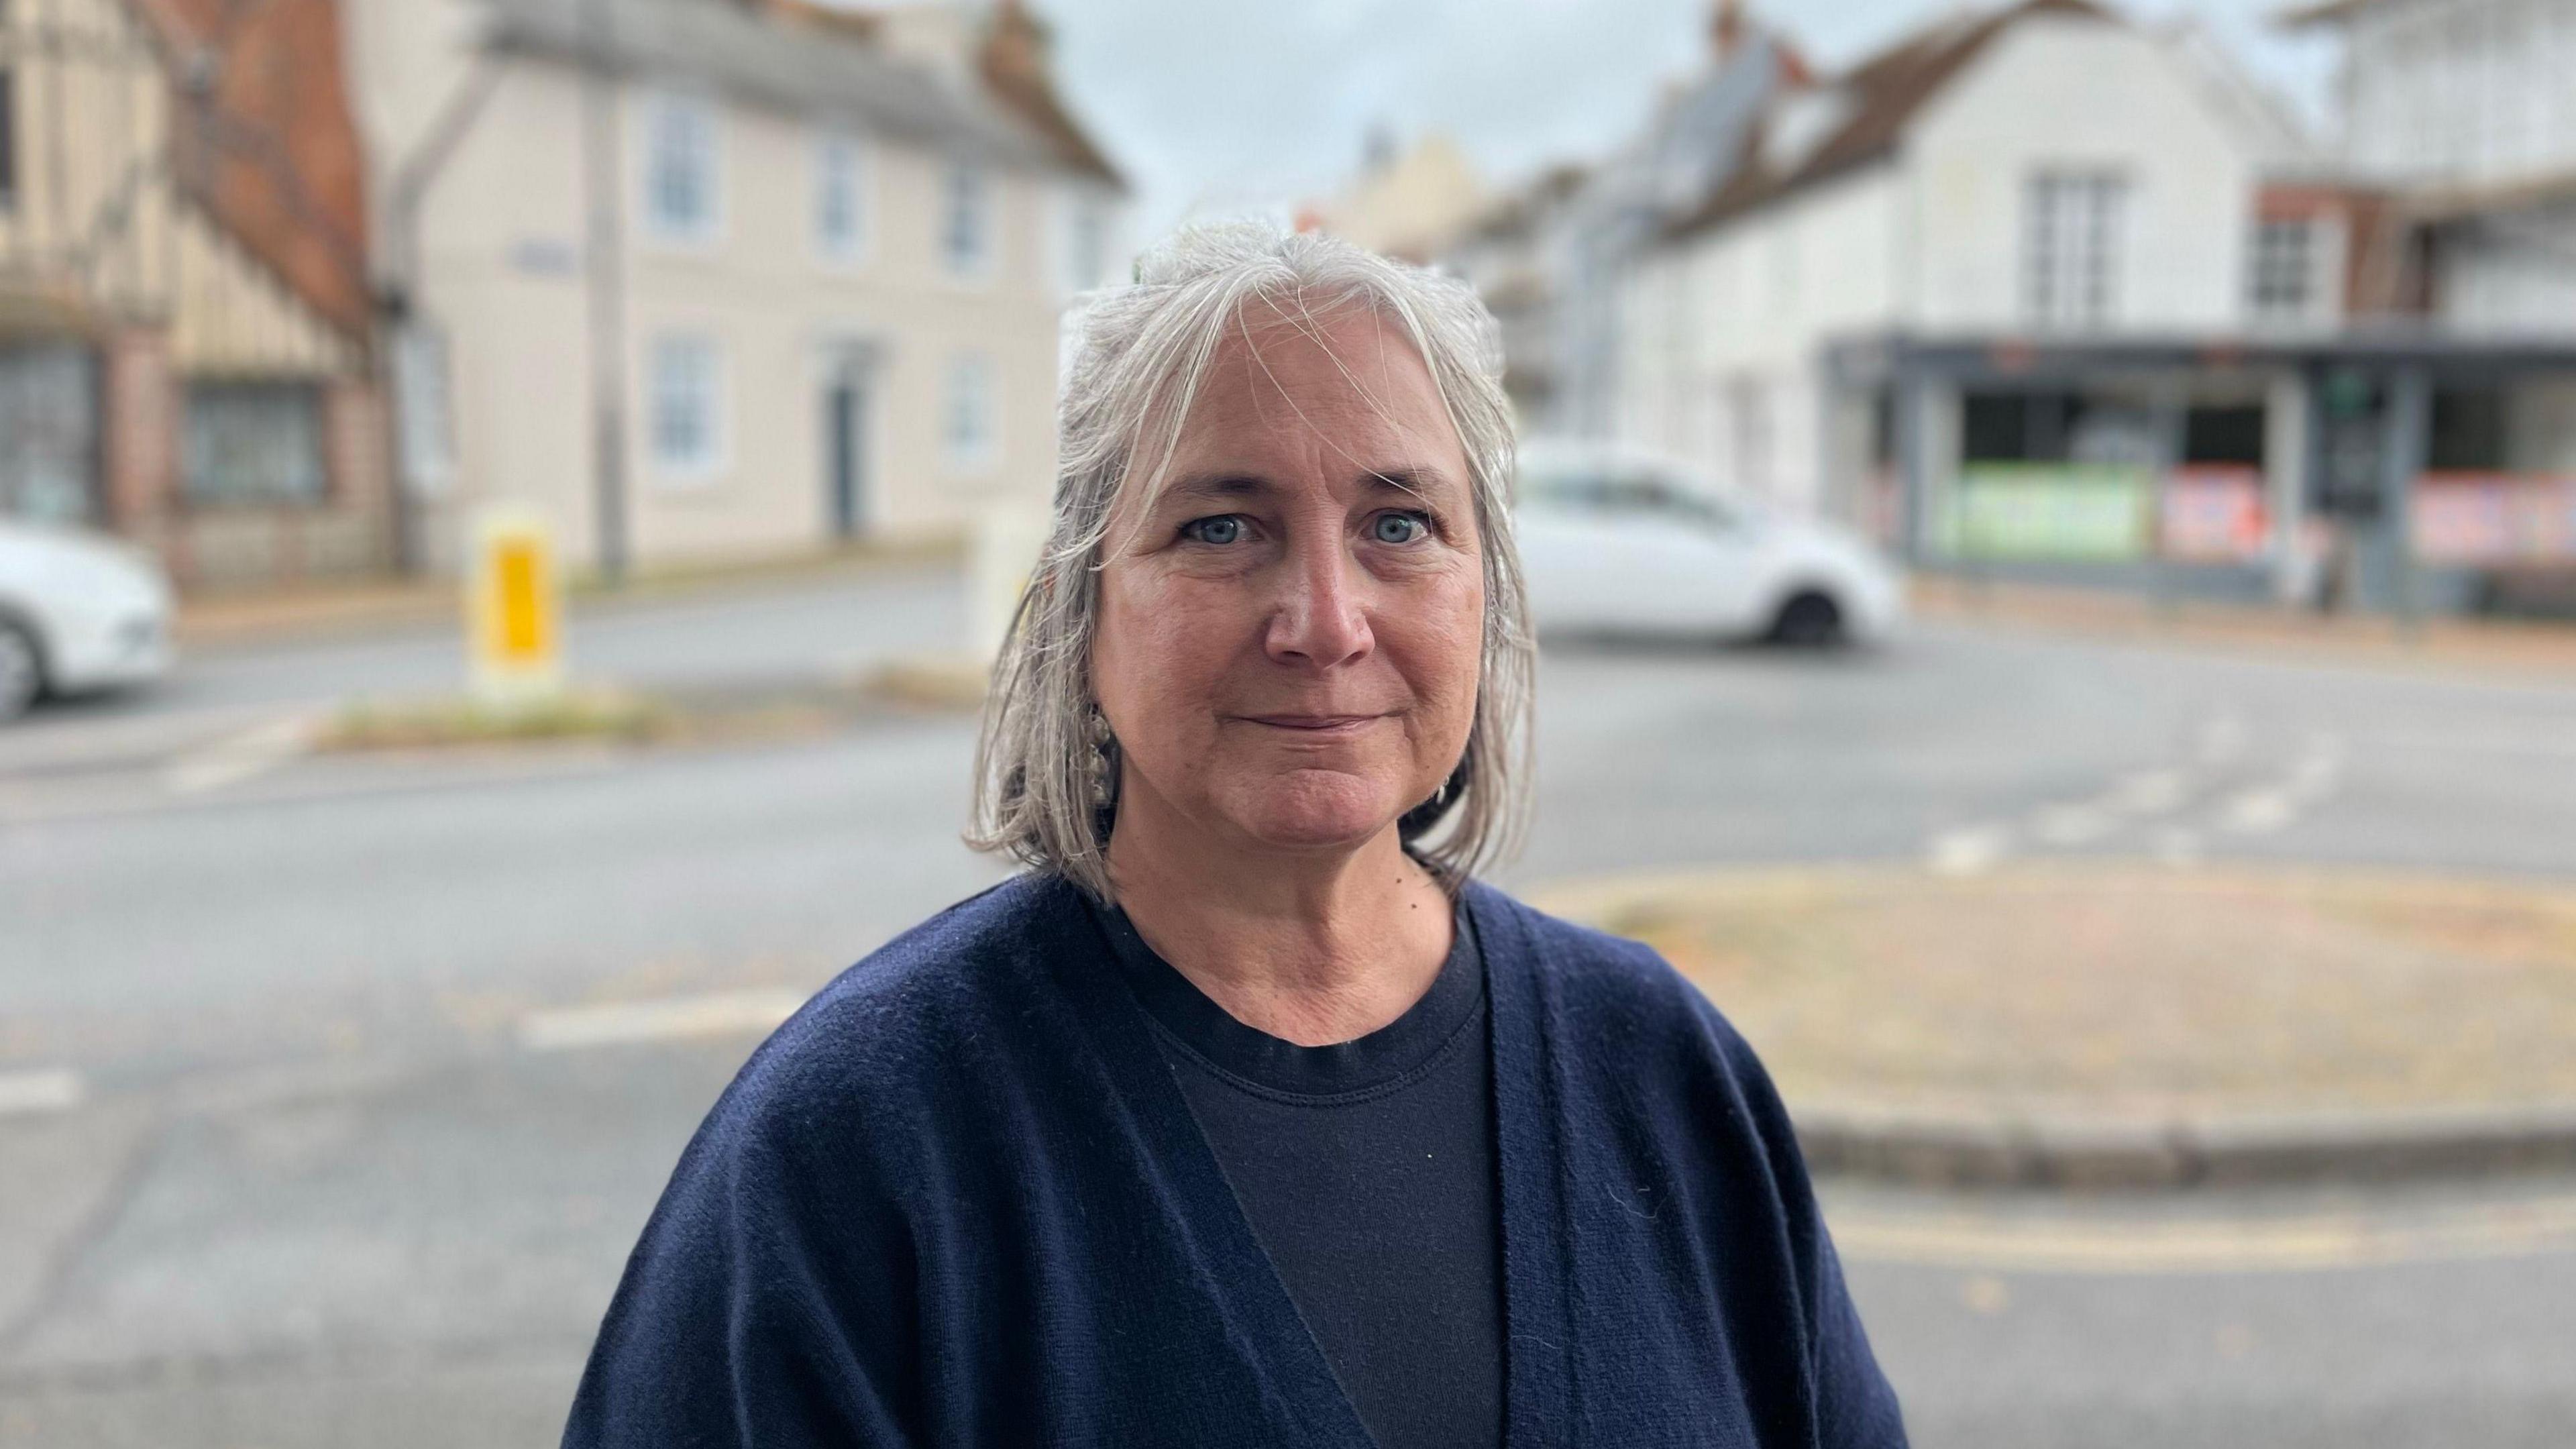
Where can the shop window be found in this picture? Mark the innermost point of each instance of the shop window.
(254, 442)
(2224, 435)
(2019, 427)
(2468, 430)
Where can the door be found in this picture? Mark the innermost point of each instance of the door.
(845, 451)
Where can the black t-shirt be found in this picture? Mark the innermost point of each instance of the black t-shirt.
(1367, 1171)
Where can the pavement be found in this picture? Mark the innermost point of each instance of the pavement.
(2122, 1024)
(2546, 648)
(334, 1087)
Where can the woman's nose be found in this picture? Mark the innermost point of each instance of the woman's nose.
(1319, 618)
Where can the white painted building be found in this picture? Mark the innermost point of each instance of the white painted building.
(2469, 107)
(707, 279)
(2047, 170)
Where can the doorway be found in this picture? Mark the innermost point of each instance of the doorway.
(846, 419)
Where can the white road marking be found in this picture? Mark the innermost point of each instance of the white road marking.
(53, 1089)
(2017, 1243)
(2263, 809)
(1968, 850)
(239, 757)
(669, 1018)
(2318, 770)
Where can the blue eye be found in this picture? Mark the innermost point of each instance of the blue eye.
(1399, 527)
(1225, 528)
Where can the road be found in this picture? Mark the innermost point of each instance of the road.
(332, 1091)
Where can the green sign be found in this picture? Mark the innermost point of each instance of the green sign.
(2049, 511)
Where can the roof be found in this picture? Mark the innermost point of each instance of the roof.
(1883, 95)
(1014, 67)
(805, 70)
(264, 142)
(2321, 12)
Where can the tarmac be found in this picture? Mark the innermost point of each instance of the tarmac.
(2111, 1024)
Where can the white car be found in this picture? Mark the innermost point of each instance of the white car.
(78, 612)
(1622, 543)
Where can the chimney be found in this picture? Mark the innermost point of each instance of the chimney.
(1726, 29)
(1017, 47)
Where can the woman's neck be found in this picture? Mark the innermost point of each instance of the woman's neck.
(1311, 947)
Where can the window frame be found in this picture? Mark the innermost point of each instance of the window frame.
(983, 453)
(657, 109)
(2072, 253)
(961, 179)
(843, 156)
(194, 443)
(713, 456)
(2265, 297)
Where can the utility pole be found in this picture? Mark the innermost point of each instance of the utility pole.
(604, 272)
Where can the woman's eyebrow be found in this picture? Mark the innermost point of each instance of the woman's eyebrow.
(1216, 487)
(1413, 482)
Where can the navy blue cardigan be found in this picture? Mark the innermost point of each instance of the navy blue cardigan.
(959, 1200)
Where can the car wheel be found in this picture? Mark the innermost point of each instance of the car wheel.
(1809, 620)
(22, 670)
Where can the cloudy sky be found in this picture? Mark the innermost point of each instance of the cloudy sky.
(1221, 106)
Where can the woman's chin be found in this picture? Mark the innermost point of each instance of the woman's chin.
(1317, 814)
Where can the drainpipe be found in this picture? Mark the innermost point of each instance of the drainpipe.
(394, 297)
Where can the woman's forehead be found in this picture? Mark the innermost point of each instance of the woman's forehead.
(1348, 381)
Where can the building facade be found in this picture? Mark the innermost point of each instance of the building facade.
(712, 279)
(2040, 292)
(184, 349)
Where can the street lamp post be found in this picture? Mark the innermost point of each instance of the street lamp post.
(605, 279)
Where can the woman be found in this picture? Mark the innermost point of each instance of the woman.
(1246, 1116)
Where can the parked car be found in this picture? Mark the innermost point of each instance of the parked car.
(78, 612)
(1621, 543)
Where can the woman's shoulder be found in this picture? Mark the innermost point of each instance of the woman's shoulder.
(892, 1031)
(1615, 983)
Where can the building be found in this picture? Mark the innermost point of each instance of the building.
(2040, 292)
(709, 279)
(1551, 258)
(2461, 112)
(184, 328)
(1409, 203)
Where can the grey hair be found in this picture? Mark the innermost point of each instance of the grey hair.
(1046, 769)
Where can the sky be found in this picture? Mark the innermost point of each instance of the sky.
(1218, 107)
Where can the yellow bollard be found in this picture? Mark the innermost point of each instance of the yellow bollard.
(514, 609)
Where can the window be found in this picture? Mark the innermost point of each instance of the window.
(680, 180)
(254, 442)
(420, 385)
(968, 421)
(2284, 268)
(840, 198)
(8, 139)
(1086, 243)
(2070, 248)
(965, 221)
(687, 415)
(2469, 431)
